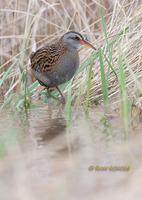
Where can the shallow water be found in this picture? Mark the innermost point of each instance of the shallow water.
(42, 158)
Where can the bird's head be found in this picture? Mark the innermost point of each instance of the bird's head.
(75, 40)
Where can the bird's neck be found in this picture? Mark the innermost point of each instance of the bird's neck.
(71, 47)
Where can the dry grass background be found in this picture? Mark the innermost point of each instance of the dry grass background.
(22, 23)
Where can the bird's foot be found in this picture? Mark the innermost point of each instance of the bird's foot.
(62, 96)
(63, 100)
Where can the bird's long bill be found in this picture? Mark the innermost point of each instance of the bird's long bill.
(87, 44)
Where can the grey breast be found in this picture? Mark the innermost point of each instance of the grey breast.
(65, 69)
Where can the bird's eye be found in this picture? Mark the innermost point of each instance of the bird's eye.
(77, 38)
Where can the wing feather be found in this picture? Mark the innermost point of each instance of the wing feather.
(46, 58)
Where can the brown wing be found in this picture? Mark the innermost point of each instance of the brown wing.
(46, 58)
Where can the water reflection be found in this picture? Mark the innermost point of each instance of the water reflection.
(53, 161)
(48, 128)
(47, 124)
(53, 128)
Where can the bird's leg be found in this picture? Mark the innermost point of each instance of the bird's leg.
(63, 98)
(50, 95)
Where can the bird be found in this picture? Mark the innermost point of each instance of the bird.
(54, 64)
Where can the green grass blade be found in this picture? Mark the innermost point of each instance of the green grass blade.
(6, 74)
(88, 87)
(103, 79)
(123, 92)
(68, 111)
